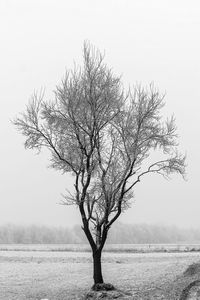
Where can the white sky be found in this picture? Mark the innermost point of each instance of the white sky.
(145, 40)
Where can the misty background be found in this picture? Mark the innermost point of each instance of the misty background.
(145, 41)
(119, 234)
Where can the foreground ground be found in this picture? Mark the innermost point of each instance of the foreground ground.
(68, 275)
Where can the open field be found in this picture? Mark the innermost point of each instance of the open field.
(60, 275)
(116, 248)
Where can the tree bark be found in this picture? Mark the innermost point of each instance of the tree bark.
(97, 271)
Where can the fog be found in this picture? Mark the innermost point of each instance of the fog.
(119, 234)
(144, 41)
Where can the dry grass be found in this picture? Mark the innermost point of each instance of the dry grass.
(193, 269)
(68, 276)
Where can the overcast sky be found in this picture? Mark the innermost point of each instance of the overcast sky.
(145, 41)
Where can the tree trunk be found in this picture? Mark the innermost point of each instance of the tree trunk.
(97, 272)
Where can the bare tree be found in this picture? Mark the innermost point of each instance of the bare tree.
(104, 137)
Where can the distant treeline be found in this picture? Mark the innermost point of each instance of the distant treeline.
(119, 234)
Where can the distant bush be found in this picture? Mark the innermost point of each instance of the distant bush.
(11, 234)
(119, 234)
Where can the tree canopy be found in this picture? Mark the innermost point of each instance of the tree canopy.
(103, 135)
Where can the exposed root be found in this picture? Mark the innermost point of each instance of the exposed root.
(106, 291)
(103, 287)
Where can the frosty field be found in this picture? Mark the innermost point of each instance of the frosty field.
(67, 275)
